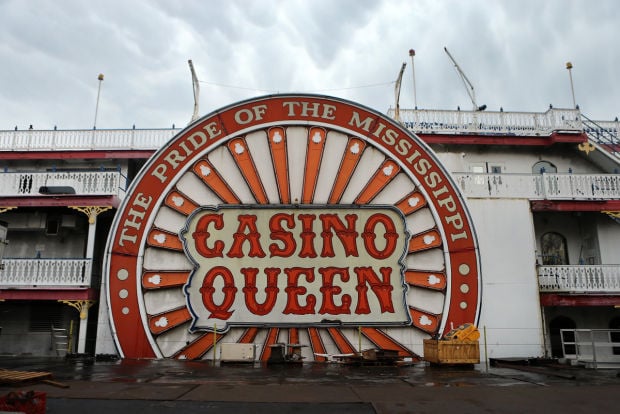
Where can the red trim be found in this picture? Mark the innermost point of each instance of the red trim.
(60, 200)
(49, 294)
(60, 155)
(574, 205)
(492, 139)
(555, 299)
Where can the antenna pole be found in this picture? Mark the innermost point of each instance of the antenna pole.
(196, 88)
(415, 99)
(100, 78)
(569, 67)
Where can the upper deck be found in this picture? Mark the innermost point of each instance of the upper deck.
(434, 126)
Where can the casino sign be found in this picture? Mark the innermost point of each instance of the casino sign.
(301, 219)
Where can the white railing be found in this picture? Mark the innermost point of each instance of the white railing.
(499, 185)
(430, 121)
(423, 121)
(540, 186)
(577, 278)
(597, 348)
(45, 272)
(85, 139)
(83, 183)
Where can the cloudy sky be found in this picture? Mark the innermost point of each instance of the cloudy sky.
(513, 52)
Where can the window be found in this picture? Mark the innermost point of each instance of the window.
(485, 167)
(478, 168)
(554, 250)
(544, 167)
(52, 225)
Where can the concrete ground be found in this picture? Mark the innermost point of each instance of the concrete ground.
(166, 386)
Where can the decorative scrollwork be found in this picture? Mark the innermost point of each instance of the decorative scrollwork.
(82, 306)
(91, 211)
(612, 214)
(586, 147)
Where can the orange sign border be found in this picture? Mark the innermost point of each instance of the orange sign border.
(129, 234)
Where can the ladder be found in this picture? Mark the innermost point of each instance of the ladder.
(60, 341)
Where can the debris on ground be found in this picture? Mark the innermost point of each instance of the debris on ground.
(26, 377)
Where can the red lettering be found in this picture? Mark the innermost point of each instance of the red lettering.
(329, 290)
(307, 235)
(293, 291)
(381, 288)
(346, 235)
(202, 234)
(279, 234)
(221, 311)
(390, 236)
(246, 231)
(250, 290)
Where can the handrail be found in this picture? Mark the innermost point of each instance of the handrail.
(422, 121)
(603, 133)
(431, 121)
(46, 272)
(544, 186)
(79, 182)
(85, 139)
(579, 278)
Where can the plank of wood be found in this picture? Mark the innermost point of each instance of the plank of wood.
(13, 377)
(55, 383)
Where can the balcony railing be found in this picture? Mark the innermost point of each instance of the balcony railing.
(85, 139)
(83, 183)
(421, 121)
(540, 186)
(21, 273)
(579, 279)
(429, 121)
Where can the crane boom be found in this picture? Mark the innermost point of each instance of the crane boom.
(468, 85)
(397, 85)
(196, 88)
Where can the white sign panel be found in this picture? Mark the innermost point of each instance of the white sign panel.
(305, 266)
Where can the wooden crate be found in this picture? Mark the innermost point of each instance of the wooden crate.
(451, 352)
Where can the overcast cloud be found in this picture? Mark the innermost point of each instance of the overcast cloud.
(514, 53)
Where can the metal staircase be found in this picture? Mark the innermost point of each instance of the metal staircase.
(606, 138)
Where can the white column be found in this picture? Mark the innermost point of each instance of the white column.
(84, 305)
(90, 242)
(90, 247)
(81, 346)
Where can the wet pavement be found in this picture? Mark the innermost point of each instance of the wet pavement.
(167, 386)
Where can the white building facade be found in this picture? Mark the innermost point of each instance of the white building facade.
(540, 192)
